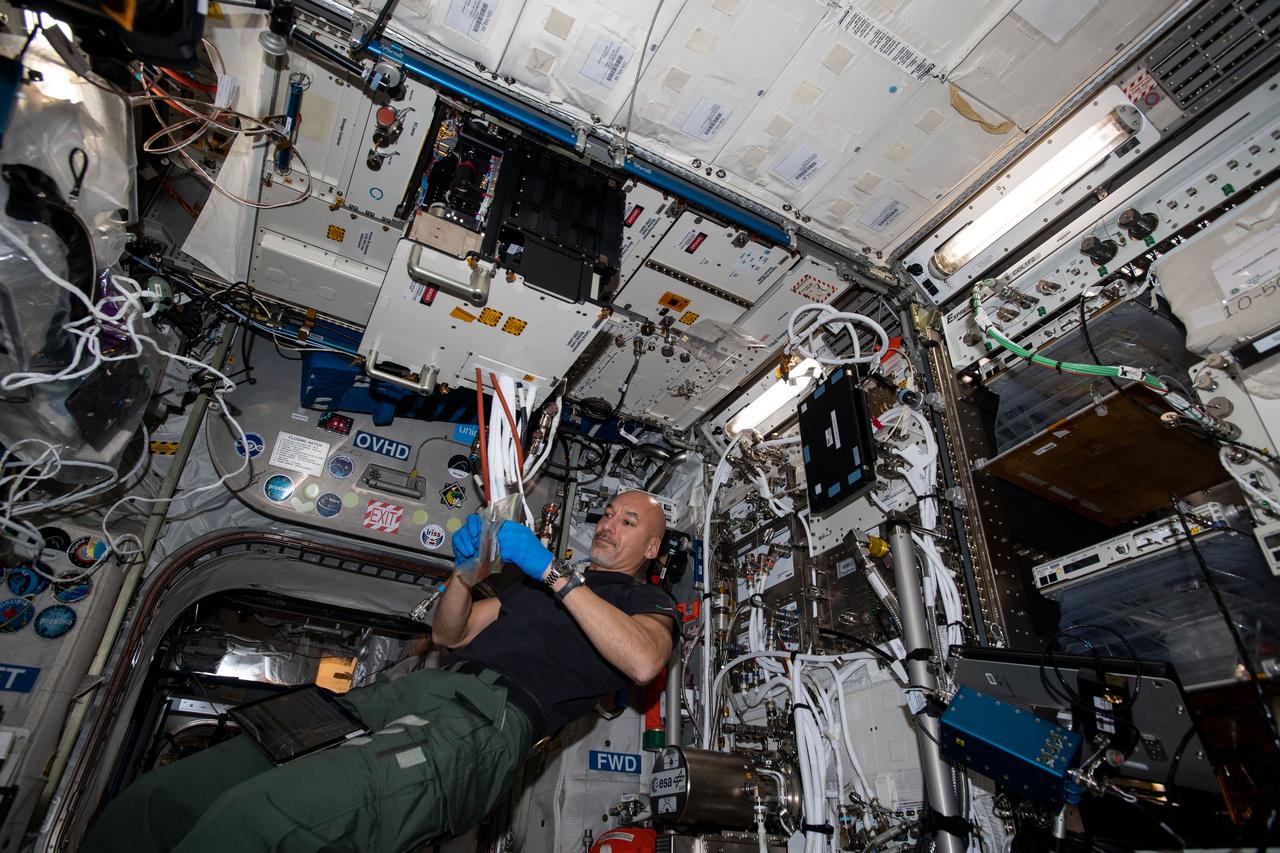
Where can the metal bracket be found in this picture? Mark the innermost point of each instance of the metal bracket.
(475, 290)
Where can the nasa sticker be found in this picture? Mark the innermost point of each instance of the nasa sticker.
(341, 467)
(24, 580)
(87, 551)
(328, 505)
(15, 614)
(278, 488)
(459, 467)
(67, 591)
(254, 442)
(432, 536)
(55, 621)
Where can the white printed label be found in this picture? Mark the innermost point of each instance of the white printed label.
(882, 214)
(798, 167)
(299, 453)
(470, 17)
(846, 567)
(886, 44)
(667, 805)
(667, 782)
(606, 62)
(1041, 451)
(706, 120)
(1254, 262)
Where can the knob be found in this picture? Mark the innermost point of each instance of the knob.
(375, 160)
(1099, 251)
(1138, 225)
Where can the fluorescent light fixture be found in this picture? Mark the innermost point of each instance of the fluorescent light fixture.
(799, 379)
(1074, 159)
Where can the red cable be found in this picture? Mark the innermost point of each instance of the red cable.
(484, 450)
(511, 422)
(189, 82)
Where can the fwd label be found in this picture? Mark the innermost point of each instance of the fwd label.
(614, 762)
(385, 446)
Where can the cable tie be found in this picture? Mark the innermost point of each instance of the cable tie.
(821, 828)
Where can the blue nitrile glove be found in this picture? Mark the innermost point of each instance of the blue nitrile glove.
(518, 544)
(466, 539)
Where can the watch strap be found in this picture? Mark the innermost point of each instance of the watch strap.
(575, 581)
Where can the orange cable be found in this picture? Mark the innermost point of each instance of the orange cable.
(484, 450)
(515, 434)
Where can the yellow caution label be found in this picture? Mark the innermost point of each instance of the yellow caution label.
(673, 301)
(689, 318)
(513, 326)
(215, 11)
(164, 448)
(460, 313)
(490, 317)
(336, 232)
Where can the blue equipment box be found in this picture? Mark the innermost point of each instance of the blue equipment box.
(1012, 746)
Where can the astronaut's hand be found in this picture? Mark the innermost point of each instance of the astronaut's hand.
(518, 544)
(466, 539)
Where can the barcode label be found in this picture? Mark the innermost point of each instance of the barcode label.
(706, 120)
(882, 214)
(798, 166)
(470, 17)
(885, 43)
(606, 62)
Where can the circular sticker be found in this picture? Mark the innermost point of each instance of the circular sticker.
(255, 444)
(341, 467)
(54, 621)
(278, 488)
(328, 505)
(87, 551)
(70, 590)
(56, 541)
(459, 467)
(432, 536)
(15, 614)
(24, 580)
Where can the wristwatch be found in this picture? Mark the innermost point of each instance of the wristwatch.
(561, 569)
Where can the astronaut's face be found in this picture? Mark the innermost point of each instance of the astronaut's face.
(629, 533)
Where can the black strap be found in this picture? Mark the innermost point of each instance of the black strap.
(922, 653)
(822, 828)
(934, 820)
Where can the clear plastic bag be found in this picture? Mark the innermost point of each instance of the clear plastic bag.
(487, 557)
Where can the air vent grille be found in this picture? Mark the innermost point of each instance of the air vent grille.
(1220, 46)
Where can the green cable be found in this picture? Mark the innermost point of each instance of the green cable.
(994, 333)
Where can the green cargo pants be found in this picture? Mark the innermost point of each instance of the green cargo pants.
(444, 748)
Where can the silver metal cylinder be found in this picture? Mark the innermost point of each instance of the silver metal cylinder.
(915, 634)
(675, 683)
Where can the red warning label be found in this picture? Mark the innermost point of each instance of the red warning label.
(633, 215)
(695, 242)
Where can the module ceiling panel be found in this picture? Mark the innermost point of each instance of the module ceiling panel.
(863, 116)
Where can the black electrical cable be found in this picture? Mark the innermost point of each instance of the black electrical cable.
(626, 383)
(1245, 657)
(1093, 353)
(860, 642)
(378, 26)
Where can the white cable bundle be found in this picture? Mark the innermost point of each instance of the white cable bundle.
(718, 478)
(828, 320)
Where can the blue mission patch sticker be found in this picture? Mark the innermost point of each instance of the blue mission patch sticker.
(255, 444)
(341, 467)
(278, 488)
(55, 621)
(328, 505)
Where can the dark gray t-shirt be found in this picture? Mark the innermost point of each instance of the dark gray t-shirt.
(536, 643)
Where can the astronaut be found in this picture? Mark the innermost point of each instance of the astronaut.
(445, 743)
